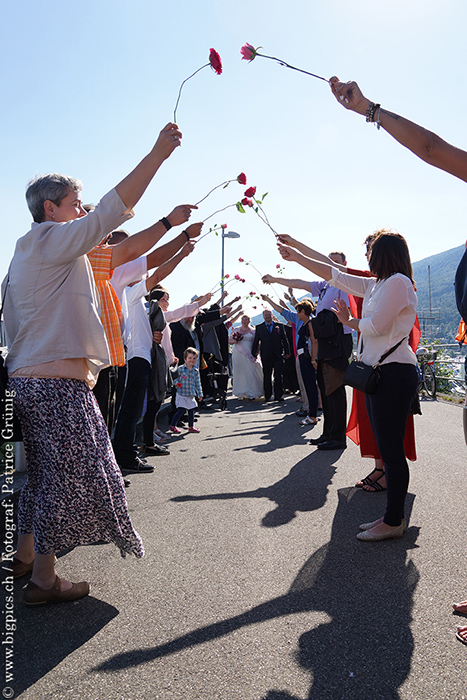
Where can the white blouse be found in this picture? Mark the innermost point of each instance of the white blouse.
(388, 314)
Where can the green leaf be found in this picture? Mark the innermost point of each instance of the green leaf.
(217, 233)
(226, 185)
(264, 195)
(256, 209)
(240, 207)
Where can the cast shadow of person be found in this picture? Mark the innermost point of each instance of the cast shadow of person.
(304, 489)
(364, 652)
(46, 635)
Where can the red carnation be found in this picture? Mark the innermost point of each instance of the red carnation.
(227, 277)
(250, 192)
(241, 178)
(248, 52)
(277, 267)
(242, 280)
(247, 202)
(223, 225)
(215, 61)
(241, 260)
(237, 277)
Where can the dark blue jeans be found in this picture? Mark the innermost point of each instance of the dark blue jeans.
(131, 409)
(388, 410)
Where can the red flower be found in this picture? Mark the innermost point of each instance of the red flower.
(250, 192)
(227, 277)
(241, 179)
(248, 52)
(254, 307)
(252, 294)
(223, 225)
(242, 280)
(277, 267)
(179, 385)
(241, 260)
(237, 277)
(215, 61)
(247, 202)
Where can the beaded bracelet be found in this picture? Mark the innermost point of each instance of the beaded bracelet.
(371, 111)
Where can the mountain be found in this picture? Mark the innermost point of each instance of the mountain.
(437, 311)
(434, 277)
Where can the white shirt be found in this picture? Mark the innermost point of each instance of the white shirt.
(131, 271)
(388, 314)
(139, 339)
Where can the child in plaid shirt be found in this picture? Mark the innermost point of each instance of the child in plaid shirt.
(188, 387)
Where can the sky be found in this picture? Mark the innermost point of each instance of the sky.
(87, 86)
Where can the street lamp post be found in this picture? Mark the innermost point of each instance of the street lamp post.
(228, 234)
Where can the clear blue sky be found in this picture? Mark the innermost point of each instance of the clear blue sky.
(87, 87)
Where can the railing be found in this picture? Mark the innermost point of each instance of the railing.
(456, 384)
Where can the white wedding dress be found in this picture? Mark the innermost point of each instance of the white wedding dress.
(247, 372)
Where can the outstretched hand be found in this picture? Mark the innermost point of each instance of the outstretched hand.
(187, 248)
(169, 139)
(349, 95)
(194, 230)
(287, 253)
(181, 214)
(342, 312)
(267, 279)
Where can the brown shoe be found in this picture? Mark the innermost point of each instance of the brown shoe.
(20, 568)
(33, 595)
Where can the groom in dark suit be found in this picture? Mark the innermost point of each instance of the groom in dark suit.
(274, 348)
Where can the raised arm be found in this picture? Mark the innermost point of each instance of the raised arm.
(318, 268)
(272, 303)
(136, 245)
(168, 250)
(296, 284)
(309, 252)
(133, 186)
(425, 144)
(164, 270)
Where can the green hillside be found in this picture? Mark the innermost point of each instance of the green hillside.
(442, 269)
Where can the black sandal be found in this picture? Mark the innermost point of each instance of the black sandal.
(375, 486)
(366, 481)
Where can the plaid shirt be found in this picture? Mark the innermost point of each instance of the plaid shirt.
(110, 310)
(190, 382)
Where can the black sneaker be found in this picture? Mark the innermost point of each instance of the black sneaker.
(138, 467)
(155, 450)
(318, 440)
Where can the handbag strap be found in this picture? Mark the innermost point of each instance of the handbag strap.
(387, 353)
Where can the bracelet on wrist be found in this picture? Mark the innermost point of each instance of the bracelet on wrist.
(166, 223)
(187, 235)
(370, 112)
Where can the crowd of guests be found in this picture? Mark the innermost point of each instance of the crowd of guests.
(85, 311)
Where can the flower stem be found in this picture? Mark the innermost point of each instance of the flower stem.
(218, 212)
(216, 228)
(223, 184)
(287, 65)
(181, 86)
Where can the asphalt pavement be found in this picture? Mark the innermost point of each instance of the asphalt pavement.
(254, 586)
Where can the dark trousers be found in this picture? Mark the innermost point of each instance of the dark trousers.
(131, 409)
(309, 381)
(179, 413)
(270, 365)
(388, 410)
(104, 391)
(148, 421)
(334, 409)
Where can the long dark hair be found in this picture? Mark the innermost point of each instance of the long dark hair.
(390, 255)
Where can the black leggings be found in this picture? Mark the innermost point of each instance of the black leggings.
(388, 410)
(179, 413)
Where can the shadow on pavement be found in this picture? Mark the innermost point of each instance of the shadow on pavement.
(304, 489)
(50, 633)
(367, 589)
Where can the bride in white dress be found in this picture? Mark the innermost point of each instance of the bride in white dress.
(247, 371)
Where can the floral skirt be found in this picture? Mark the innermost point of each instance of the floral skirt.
(74, 494)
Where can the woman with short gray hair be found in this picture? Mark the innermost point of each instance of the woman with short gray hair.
(74, 494)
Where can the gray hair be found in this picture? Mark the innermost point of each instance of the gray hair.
(54, 187)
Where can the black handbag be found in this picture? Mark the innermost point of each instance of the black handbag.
(10, 429)
(366, 377)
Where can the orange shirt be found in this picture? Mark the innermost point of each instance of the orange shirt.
(110, 310)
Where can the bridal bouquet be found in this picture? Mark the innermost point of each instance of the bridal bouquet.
(237, 336)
